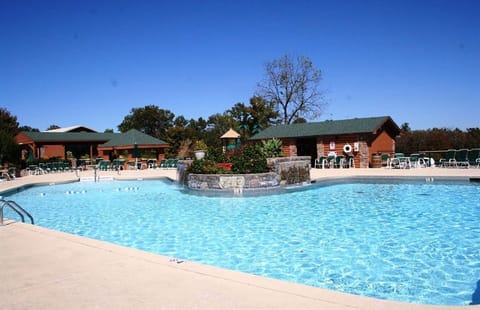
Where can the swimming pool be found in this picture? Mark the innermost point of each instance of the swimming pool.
(414, 242)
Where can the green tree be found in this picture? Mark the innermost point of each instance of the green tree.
(150, 120)
(405, 127)
(473, 137)
(217, 125)
(436, 139)
(8, 122)
(254, 117)
(263, 113)
(9, 150)
(291, 84)
(28, 128)
(52, 127)
(108, 130)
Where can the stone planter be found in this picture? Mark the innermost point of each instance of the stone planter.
(199, 154)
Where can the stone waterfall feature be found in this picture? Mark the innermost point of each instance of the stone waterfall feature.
(283, 171)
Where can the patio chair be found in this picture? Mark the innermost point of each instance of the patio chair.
(461, 158)
(321, 162)
(417, 161)
(172, 163)
(131, 165)
(67, 166)
(331, 161)
(151, 163)
(474, 157)
(117, 164)
(32, 169)
(385, 160)
(58, 166)
(50, 167)
(350, 161)
(104, 165)
(163, 164)
(449, 161)
(339, 161)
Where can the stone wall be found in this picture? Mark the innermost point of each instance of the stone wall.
(284, 171)
(292, 170)
(233, 181)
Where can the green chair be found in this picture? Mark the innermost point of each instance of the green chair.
(163, 163)
(104, 165)
(385, 160)
(461, 158)
(339, 161)
(172, 163)
(449, 161)
(350, 161)
(474, 157)
(321, 162)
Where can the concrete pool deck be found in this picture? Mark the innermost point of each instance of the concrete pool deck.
(46, 269)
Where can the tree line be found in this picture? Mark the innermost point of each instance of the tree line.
(436, 139)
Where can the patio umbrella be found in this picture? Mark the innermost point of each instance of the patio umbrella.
(136, 154)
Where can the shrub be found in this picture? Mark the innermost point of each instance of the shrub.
(251, 160)
(205, 166)
(200, 146)
(272, 148)
(216, 154)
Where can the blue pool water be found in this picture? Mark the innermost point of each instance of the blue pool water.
(413, 242)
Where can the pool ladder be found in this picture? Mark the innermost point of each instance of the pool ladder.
(16, 208)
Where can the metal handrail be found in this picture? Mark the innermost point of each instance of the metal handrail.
(16, 208)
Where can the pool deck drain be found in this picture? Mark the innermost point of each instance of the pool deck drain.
(47, 269)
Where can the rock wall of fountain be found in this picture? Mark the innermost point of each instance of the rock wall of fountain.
(284, 171)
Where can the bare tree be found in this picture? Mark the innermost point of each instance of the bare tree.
(292, 84)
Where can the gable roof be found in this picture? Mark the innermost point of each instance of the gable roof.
(132, 137)
(326, 128)
(68, 136)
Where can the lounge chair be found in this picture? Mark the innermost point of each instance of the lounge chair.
(350, 161)
(449, 161)
(151, 164)
(474, 157)
(461, 158)
(117, 164)
(339, 161)
(131, 165)
(321, 162)
(163, 164)
(416, 161)
(172, 163)
(331, 161)
(104, 165)
(8, 174)
(385, 160)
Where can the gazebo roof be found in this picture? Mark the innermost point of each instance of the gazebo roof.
(230, 134)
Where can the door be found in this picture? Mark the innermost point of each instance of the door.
(307, 147)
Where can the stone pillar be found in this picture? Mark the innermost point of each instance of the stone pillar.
(363, 154)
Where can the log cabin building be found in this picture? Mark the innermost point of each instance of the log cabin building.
(363, 138)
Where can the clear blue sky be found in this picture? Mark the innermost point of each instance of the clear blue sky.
(89, 62)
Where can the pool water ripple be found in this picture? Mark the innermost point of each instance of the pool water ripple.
(410, 242)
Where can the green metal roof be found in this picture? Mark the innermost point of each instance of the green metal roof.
(326, 128)
(109, 139)
(69, 136)
(132, 137)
